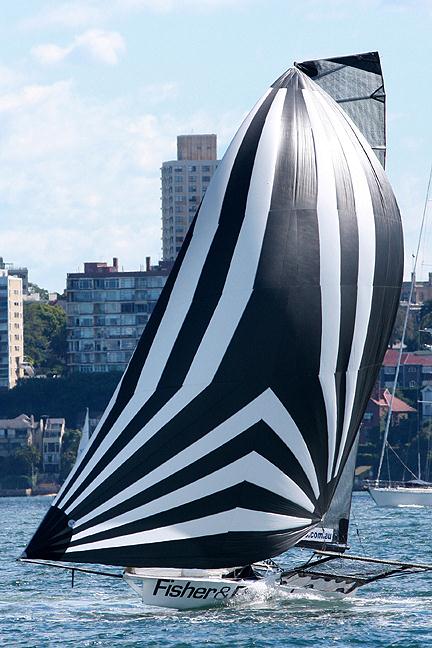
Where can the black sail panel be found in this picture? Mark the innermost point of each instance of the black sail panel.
(232, 425)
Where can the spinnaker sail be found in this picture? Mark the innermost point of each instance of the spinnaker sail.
(227, 436)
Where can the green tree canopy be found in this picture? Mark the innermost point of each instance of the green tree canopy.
(426, 323)
(23, 461)
(45, 337)
(66, 397)
(411, 335)
(71, 439)
(34, 289)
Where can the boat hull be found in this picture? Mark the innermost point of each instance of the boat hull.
(401, 496)
(186, 592)
(183, 592)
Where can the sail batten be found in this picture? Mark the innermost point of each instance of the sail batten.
(231, 427)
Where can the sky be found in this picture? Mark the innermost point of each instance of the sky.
(94, 92)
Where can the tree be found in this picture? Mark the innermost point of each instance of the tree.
(45, 337)
(426, 322)
(23, 461)
(411, 338)
(64, 397)
(70, 443)
(34, 289)
(426, 309)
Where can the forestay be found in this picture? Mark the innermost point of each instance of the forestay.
(226, 438)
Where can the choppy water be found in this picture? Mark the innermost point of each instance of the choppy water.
(38, 607)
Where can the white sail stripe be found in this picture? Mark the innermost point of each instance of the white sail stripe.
(181, 296)
(266, 407)
(253, 468)
(236, 520)
(235, 296)
(366, 269)
(330, 269)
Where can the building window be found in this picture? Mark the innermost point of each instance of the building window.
(412, 383)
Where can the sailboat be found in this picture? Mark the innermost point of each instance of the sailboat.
(415, 491)
(230, 438)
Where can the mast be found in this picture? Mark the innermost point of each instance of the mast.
(413, 275)
(229, 432)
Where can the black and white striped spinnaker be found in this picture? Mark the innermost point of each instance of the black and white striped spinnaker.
(225, 440)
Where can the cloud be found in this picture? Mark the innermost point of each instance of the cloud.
(103, 46)
(157, 93)
(76, 13)
(67, 14)
(80, 179)
(9, 77)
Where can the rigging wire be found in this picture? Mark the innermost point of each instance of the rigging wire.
(358, 532)
(399, 459)
(390, 410)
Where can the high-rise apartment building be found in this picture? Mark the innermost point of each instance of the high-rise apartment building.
(11, 329)
(184, 183)
(16, 272)
(107, 310)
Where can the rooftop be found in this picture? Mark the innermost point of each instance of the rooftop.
(399, 406)
(423, 358)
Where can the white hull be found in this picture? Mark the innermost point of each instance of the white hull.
(182, 589)
(401, 496)
(188, 589)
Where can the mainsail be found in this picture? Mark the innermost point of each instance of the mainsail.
(227, 436)
(356, 83)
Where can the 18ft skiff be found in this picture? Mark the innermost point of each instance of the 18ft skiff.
(227, 437)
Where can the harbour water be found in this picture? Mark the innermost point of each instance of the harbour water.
(39, 608)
